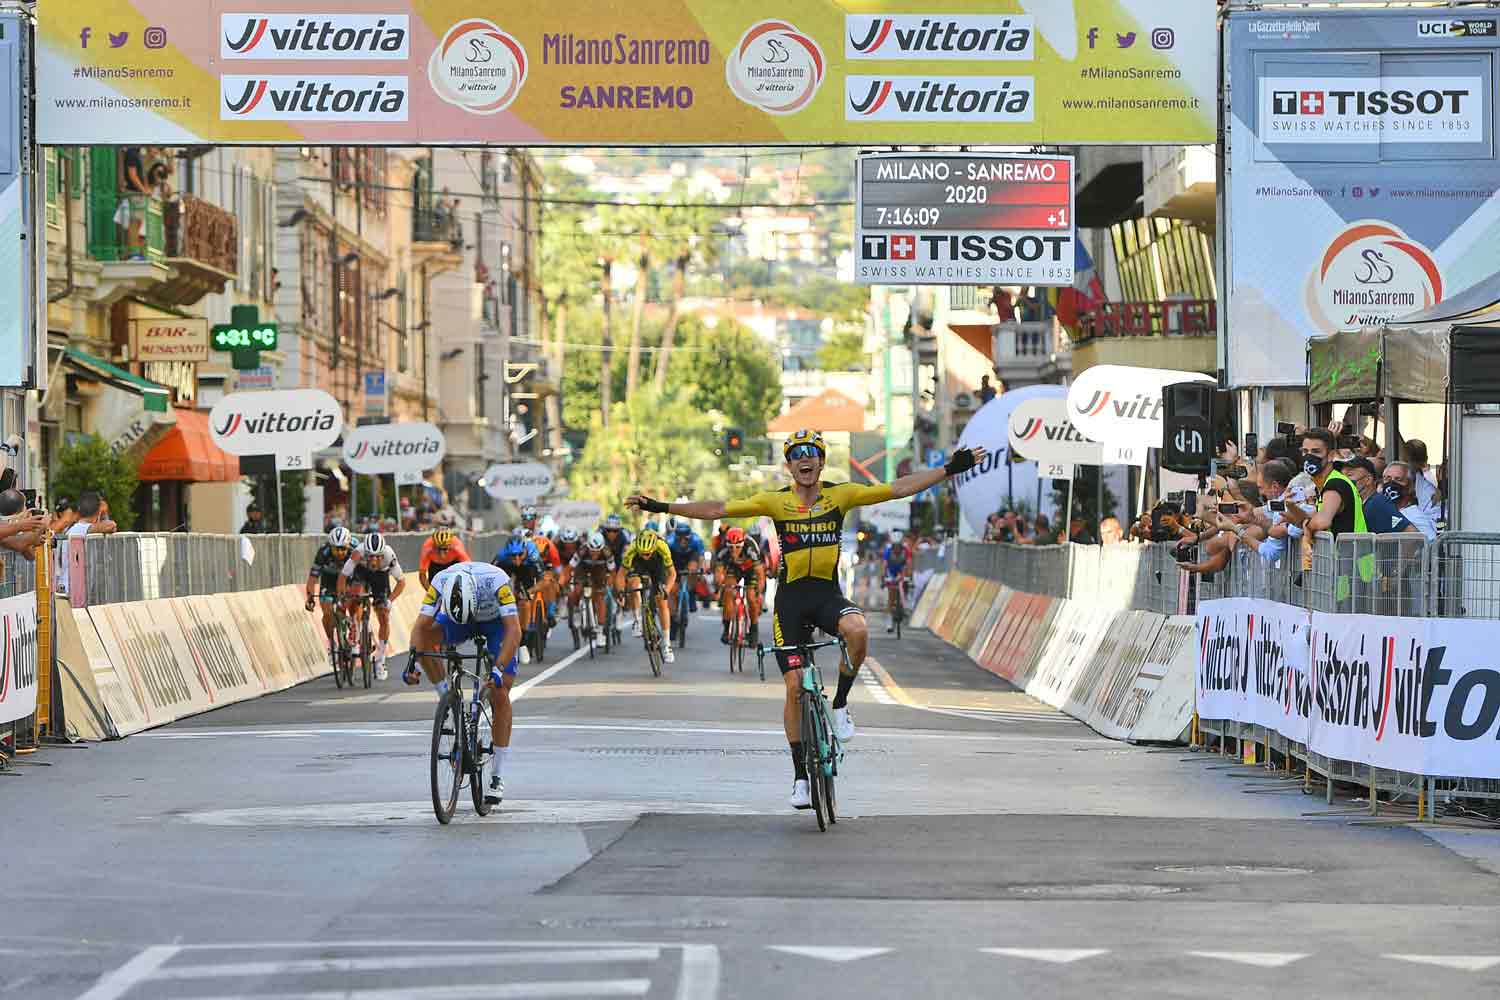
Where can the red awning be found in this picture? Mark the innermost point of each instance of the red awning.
(188, 454)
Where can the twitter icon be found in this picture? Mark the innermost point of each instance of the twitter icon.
(1125, 41)
(118, 40)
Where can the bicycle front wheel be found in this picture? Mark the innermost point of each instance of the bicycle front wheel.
(812, 758)
(734, 642)
(447, 757)
(651, 635)
(478, 736)
(366, 653)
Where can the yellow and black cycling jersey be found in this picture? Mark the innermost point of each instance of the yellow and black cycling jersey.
(809, 534)
(655, 557)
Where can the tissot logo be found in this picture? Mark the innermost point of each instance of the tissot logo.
(313, 98)
(314, 36)
(971, 248)
(916, 36)
(928, 98)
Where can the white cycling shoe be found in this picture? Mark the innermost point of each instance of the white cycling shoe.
(524, 654)
(635, 628)
(667, 656)
(495, 794)
(843, 724)
(801, 795)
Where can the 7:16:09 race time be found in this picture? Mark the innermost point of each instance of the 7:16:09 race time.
(964, 218)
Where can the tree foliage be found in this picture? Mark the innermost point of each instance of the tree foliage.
(662, 445)
(88, 463)
(729, 369)
(843, 352)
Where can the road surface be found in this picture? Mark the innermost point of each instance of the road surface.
(991, 847)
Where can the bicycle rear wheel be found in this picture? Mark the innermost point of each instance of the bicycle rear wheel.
(447, 756)
(339, 652)
(366, 652)
(478, 735)
(812, 758)
(651, 635)
(734, 642)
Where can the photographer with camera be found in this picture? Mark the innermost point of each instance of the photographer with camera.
(23, 527)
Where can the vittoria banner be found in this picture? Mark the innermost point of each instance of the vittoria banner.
(1420, 695)
(879, 72)
(17, 657)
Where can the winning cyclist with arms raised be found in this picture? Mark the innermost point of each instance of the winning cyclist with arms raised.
(809, 518)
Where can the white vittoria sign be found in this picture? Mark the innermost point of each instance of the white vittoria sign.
(893, 515)
(378, 449)
(961, 218)
(1040, 430)
(580, 515)
(292, 422)
(1122, 406)
(17, 657)
(1419, 695)
(522, 481)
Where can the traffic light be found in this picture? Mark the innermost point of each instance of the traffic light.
(734, 439)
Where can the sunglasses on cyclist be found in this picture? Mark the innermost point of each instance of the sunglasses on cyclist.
(803, 451)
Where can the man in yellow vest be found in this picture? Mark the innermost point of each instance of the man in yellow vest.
(1339, 508)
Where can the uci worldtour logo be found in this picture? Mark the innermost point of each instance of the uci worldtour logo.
(913, 36)
(275, 423)
(313, 98)
(314, 36)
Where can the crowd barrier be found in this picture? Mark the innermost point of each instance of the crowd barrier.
(1127, 674)
(134, 665)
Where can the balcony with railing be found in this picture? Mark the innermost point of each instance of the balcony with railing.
(202, 246)
(1030, 351)
(1168, 333)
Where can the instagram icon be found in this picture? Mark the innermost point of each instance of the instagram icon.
(154, 37)
(1163, 38)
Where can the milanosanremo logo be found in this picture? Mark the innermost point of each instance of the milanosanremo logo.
(478, 67)
(775, 68)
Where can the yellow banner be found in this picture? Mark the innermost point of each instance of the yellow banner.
(646, 72)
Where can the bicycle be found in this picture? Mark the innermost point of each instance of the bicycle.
(650, 627)
(343, 647)
(896, 592)
(536, 636)
(739, 629)
(682, 612)
(821, 749)
(458, 755)
(348, 651)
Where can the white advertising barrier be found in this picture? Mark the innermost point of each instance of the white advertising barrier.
(1122, 405)
(381, 449)
(580, 515)
(1040, 430)
(288, 423)
(79, 662)
(1101, 691)
(1253, 665)
(931, 597)
(526, 482)
(996, 482)
(893, 515)
(18, 658)
(1159, 707)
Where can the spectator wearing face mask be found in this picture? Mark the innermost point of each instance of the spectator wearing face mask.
(1381, 516)
(1398, 487)
(1271, 540)
(1338, 506)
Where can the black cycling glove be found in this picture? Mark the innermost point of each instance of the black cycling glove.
(654, 506)
(962, 461)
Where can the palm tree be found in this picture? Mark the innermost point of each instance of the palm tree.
(691, 228)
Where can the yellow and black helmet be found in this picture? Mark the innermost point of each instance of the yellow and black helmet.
(442, 538)
(811, 438)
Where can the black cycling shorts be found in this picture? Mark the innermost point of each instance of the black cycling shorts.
(657, 571)
(377, 585)
(802, 606)
(328, 586)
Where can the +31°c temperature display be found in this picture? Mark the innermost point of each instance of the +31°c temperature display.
(261, 338)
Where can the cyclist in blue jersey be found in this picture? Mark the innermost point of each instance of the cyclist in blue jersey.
(898, 558)
(519, 557)
(687, 557)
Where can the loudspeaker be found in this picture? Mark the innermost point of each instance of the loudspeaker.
(1191, 413)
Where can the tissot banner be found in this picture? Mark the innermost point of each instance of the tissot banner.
(648, 71)
(1363, 173)
(1420, 695)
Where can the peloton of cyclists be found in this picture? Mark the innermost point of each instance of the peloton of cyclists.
(369, 569)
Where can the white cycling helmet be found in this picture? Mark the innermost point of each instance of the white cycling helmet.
(896, 534)
(569, 535)
(521, 534)
(340, 538)
(373, 544)
(456, 599)
(596, 539)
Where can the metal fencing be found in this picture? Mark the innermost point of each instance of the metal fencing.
(139, 567)
(1456, 576)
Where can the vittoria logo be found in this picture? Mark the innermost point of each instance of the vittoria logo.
(915, 36)
(393, 448)
(1095, 405)
(314, 36)
(775, 68)
(313, 98)
(277, 423)
(929, 98)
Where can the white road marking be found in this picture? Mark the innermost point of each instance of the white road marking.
(420, 813)
(519, 691)
(113, 985)
(1464, 963)
(829, 954)
(493, 991)
(699, 979)
(394, 963)
(876, 689)
(1057, 956)
(1261, 959)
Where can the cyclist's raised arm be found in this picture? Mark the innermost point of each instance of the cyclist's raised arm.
(963, 460)
(699, 510)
